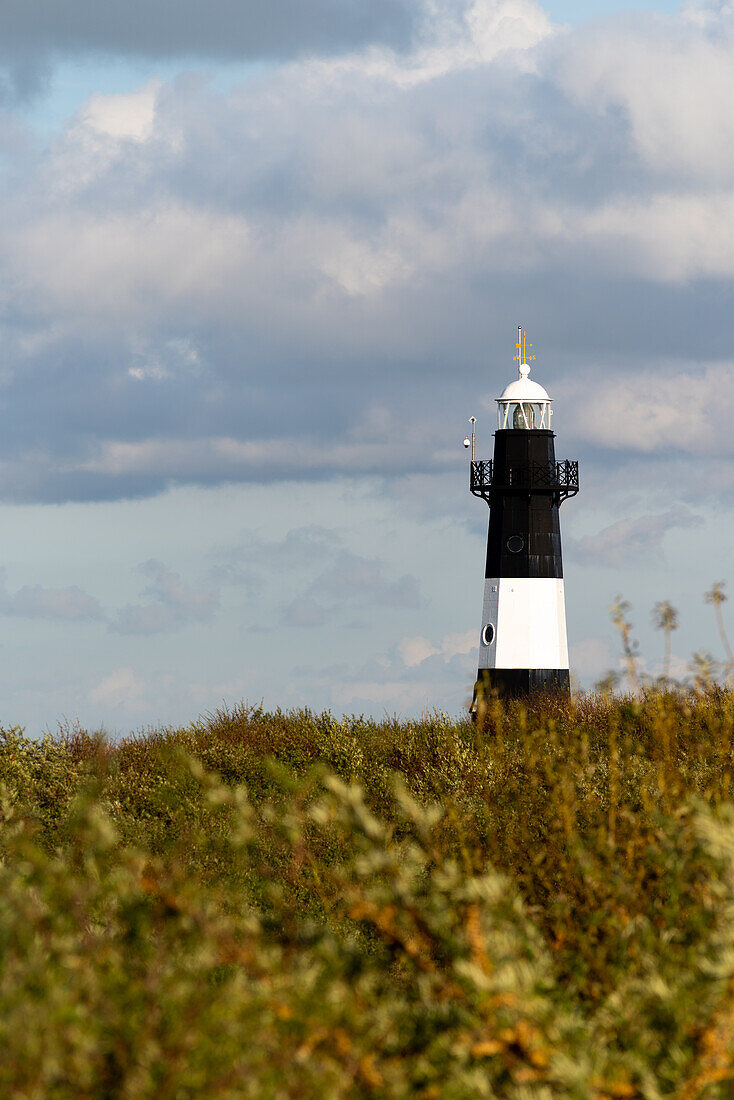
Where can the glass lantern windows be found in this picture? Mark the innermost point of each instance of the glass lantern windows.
(523, 415)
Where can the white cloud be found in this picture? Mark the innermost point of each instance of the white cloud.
(629, 540)
(706, 12)
(666, 237)
(415, 651)
(454, 37)
(132, 265)
(656, 410)
(671, 78)
(129, 116)
(153, 371)
(120, 690)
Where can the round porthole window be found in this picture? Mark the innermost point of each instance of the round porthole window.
(515, 544)
(488, 634)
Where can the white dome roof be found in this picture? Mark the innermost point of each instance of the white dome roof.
(522, 389)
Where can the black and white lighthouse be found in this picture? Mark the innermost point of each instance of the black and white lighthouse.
(523, 646)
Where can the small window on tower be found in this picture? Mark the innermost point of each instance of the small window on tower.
(488, 634)
(515, 544)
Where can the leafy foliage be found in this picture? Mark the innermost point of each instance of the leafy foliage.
(286, 905)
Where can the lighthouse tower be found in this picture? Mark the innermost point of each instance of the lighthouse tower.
(523, 646)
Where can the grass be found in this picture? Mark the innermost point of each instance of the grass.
(291, 905)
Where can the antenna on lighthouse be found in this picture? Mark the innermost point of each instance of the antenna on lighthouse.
(522, 356)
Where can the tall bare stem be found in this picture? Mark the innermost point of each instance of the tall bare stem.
(619, 609)
(665, 617)
(717, 597)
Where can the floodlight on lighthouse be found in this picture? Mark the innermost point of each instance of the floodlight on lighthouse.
(469, 441)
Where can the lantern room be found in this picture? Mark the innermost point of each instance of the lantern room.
(524, 404)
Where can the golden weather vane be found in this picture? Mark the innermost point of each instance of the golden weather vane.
(522, 345)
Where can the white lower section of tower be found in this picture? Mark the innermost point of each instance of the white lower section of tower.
(523, 624)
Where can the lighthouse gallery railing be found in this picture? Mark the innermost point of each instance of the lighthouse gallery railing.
(561, 479)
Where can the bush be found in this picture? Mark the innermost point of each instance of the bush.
(277, 905)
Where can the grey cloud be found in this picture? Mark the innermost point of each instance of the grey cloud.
(36, 602)
(23, 79)
(227, 29)
(234, 574)
(302, 547)
(325, 283)
(305, 613)
(169, 603)
(348, 581)
(330, 576)
(629, 540)
(352, 577)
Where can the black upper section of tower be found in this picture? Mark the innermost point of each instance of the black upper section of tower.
(524, 485)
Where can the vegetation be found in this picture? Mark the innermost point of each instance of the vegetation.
(538, 905)
(287, 905)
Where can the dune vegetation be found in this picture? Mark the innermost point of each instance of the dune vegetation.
(290, 905)
(535, 904)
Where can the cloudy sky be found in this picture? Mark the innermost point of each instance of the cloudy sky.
(258, 265)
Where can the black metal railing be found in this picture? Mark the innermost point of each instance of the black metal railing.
(560, 479)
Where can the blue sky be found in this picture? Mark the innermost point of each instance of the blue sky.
(254, 277)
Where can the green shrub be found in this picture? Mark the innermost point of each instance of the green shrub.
(288, 905)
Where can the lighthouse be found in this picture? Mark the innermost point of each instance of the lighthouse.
(523, 647)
